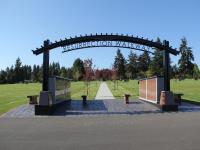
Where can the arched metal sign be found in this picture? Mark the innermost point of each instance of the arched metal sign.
(106, 40)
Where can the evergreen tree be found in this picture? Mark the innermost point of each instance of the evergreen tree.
(119, 65)
(10, 74)
(26, 71)
(174, 71)
(78, 69)
(29, 71)
(132, 65)
(69, 73)
(196, 72)
(18, 75)
(185, 62)
(3, 77)
(63, 72)
(21, 73)
(36, 74)
(54, 69)
(156, 65)
(143, 62)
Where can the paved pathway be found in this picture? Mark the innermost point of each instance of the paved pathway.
(23, 111)
(98, 108)
(106, 107)
(104, 92)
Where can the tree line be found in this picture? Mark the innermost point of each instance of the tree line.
(144, 65)
(26, 73)
(135, 66)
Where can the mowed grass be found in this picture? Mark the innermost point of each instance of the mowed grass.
(13, 95)
(119, 88)
(79, 88)
(189, 87)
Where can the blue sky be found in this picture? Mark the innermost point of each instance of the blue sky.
(25, 24)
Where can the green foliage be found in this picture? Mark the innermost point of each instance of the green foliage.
(16, 74)
(196, 72)
(185, 62)
(156, 65)
(66, 73)
(18, 71)
(23, 73)
(174, 72)
(3, 77)
(36, 74)
(54, 69)
(143, 62)
(132, 65)
(78, 69)
(119, 65)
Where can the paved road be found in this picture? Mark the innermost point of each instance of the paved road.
(104, 92)
(167, 131)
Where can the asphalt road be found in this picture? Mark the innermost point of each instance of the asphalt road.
(168, 131)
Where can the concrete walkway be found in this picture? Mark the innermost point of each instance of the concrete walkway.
(104, 92)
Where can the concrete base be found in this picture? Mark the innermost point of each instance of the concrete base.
(167, 98)
(169, 107)
(48, 109)
(45, 98)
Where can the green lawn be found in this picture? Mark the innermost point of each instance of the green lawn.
(79, 88)
(120, 88)
(13, 95)
(190, 88)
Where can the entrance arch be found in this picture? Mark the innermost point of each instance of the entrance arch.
(106, 40)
